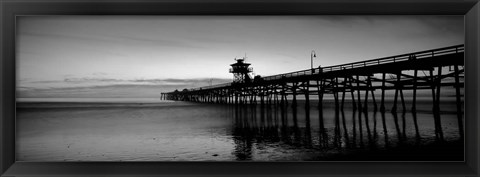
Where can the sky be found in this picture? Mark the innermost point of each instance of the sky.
(119, 55)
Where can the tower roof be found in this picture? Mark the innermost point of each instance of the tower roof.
(240, 62)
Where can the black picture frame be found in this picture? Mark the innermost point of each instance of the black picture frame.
(12, 8)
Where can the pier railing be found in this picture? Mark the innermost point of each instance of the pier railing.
(210, 87)
(354, 65)
(378, 61)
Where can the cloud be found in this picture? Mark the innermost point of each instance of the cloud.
(105, 91)
(89, 79)
(100, 74)
(92, 87)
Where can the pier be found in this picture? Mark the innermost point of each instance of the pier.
(363, 84)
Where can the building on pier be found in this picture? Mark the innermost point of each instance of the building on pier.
(241, 71)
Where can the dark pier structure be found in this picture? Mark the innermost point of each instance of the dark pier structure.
(363, 84)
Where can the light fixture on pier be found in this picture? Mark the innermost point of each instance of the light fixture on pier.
(312, 55)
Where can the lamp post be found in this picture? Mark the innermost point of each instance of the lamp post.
(312, 55)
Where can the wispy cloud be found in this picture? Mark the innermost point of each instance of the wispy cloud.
(108, 87)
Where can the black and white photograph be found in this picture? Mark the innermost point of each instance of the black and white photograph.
(240, 88)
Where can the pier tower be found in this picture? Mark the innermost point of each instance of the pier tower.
(240, 71)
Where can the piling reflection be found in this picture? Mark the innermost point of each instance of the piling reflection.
(323, 135)
(397, 128)
(308, 135)
(337, 137)
(375, 133)
(415, 123)
(360, 127)
(354, 129)
(345, 130)
(259, 126)
(404, 126)
(385, 130)
(245, 134)
(371, 142)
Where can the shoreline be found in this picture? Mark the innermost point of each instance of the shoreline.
(299, 101)
(422, 105)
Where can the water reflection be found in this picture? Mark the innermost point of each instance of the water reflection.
(385, 130)
(397, 128)
(244, 132)
(415, 123)
(283, 126)
(345, 130)
(323, 135)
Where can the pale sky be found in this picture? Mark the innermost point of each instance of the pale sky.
(58, 51)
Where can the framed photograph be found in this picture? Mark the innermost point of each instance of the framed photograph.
(252, 88)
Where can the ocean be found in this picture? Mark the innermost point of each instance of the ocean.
(157, 130)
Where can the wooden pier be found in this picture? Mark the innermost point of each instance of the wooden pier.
(358, 82)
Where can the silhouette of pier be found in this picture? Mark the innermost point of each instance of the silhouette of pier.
(357, 82)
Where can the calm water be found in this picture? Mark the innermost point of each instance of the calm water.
(184, 131)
